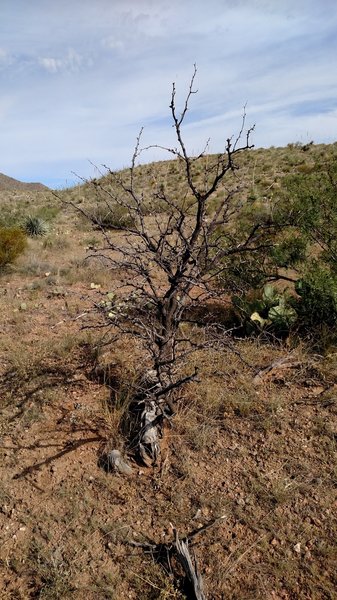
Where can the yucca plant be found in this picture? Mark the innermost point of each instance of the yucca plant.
(35, 226)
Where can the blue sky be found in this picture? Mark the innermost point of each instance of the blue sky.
(79, 78)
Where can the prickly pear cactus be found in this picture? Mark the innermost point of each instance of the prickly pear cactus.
(282, 316)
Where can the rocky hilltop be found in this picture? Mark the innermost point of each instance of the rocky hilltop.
(9, 183)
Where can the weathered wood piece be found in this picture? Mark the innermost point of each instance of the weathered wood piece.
(149, 445)
(117, 463)
(180, 549)
(190, 567)
(285, 362)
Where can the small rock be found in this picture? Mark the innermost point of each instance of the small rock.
(58, 291)
(297, 548)
(78, 377)
(117, 463)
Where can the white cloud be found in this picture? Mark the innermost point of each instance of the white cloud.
(51, 64)
(72, 62)
(5, 59)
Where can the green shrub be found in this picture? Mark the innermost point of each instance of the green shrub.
(290, 251)
(309, 200)
(243, 273)
(114, 217)
(13, 242)
(317, 289)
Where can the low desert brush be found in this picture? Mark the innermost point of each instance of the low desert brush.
(12, 243)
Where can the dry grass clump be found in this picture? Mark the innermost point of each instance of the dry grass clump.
(12, 243)
(120, 376)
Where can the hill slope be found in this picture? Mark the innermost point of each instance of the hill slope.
(9, 183)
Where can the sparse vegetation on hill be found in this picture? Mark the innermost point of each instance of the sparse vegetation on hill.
(8, 184)
(253, 441)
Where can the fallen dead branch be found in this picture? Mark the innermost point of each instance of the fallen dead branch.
(285, 362)
(181, 549)
(190, 567)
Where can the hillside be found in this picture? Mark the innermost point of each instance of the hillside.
(8, 183)
(250, 451)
